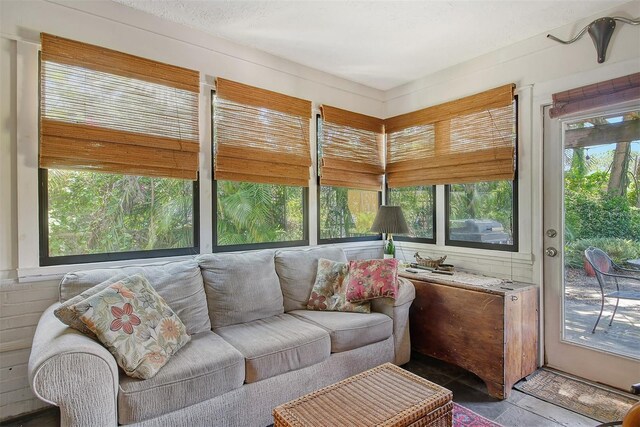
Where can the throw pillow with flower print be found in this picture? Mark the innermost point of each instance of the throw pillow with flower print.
(71, 317)
(135, 324)
(329, 291)
(374, 278)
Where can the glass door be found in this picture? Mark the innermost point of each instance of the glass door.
(592, 204)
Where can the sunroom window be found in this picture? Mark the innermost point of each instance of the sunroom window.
(350, 170)
(118, 155)
(262, 166)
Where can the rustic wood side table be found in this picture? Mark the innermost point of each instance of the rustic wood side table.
(489, 328)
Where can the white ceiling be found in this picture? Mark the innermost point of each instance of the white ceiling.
(381, 44)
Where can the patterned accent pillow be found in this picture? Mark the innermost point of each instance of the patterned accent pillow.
(328, 292)
(375, 278)
(135, 324)
(69, 316)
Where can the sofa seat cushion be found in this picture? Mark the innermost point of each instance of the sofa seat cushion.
(277, 344)
(349, 330)
(206, 367)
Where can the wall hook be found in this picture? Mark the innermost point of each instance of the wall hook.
(600, 31)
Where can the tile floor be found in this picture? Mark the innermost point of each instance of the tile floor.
(519, 410)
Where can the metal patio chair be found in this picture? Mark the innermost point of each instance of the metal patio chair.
(608, 273)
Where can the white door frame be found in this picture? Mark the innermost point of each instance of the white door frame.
(596, 365)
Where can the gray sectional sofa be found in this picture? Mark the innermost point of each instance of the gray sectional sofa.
(254, 345)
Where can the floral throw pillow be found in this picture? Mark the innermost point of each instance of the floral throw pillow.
(69, 316)
(329, 290)
(369, 279)
(135, 324)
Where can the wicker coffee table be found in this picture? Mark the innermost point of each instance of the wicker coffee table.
(383, 396)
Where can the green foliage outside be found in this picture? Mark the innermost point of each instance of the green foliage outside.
(594, 215)
(364, 221)
(597, 214)
(618, 249)
(258, 213)
(92, 213)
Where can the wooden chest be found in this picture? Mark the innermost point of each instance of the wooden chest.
(491, 331)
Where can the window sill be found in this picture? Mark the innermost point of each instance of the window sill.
(55, 272)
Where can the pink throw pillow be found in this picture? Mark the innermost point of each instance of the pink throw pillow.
(329, 291)
(374, 278)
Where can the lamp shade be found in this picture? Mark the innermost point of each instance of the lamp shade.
(390, 219)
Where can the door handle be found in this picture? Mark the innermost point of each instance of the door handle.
(551, 251)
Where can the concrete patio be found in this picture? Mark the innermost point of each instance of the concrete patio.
(582, 305)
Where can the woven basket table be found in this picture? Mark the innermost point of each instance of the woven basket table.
(385, 396)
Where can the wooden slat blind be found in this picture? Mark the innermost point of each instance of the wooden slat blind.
(411, 144)
(112, 112)
(601, 94)
(468, 140)
(351, 150)
(260, 136)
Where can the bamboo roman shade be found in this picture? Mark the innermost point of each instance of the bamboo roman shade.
(596, 95)
(108, 111)
(351, 150)
(468, 140)
(261, 136)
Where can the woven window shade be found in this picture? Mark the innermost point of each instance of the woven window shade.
(261, 136)
(468, 140)
(108, 111)
(351, 150)
(596, 95)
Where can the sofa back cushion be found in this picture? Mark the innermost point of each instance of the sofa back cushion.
(297, 269)
(240, 287)
(179, 283)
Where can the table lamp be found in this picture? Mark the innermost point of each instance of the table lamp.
(390, 220)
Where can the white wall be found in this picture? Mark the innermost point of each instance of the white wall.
(538, 66)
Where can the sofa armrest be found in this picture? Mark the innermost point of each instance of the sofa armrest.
(406, 295)
(398, 310)
(73, 372)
